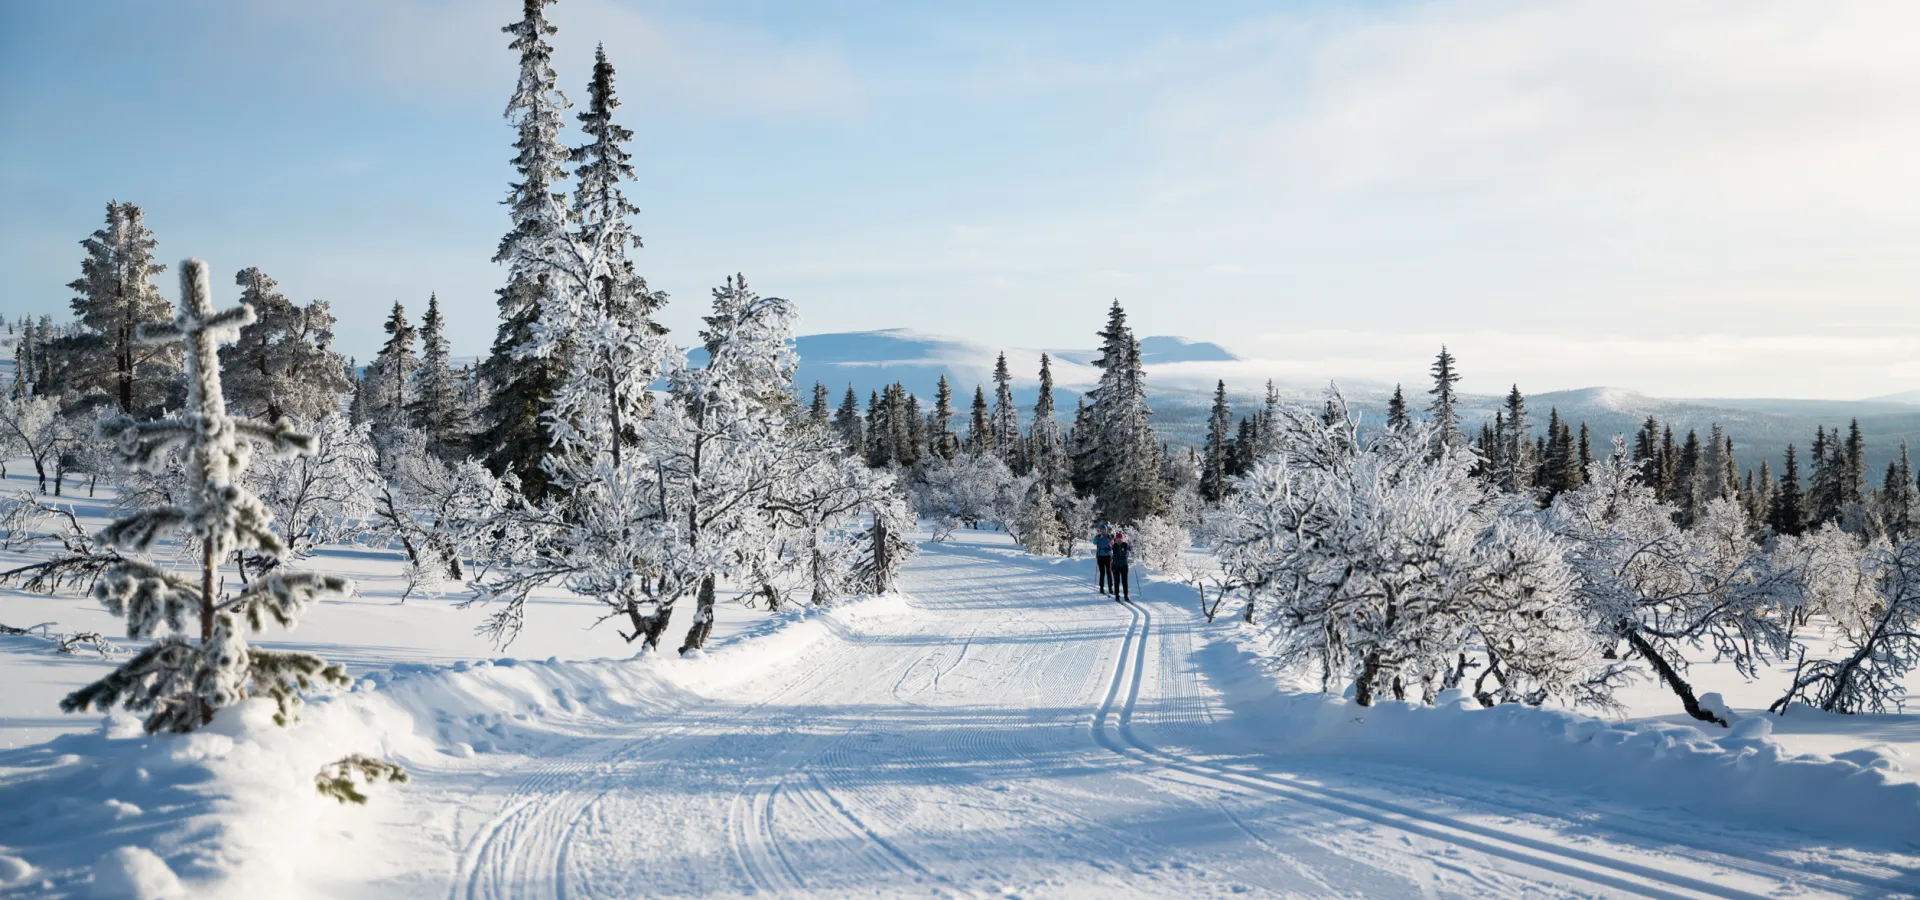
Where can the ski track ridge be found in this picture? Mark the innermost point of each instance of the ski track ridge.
(1579, 864)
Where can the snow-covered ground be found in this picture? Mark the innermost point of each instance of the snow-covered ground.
(997, 729)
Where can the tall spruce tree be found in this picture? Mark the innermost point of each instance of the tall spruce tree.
(517, 439)
(390, 377)
(1006, 418)
(437, 409)
(1124, 455)
(818, 412)
(1517, 461)
(116, 295)
(1787, 514)
(1217, 460)
(846, 421)
(1445, 408)
(1046, 448)
(1397, 410)
(980, 424)
(940, 433)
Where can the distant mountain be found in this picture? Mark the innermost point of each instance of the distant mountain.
(1907, 397)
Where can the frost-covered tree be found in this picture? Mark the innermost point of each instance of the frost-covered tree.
(965, 490)
(1514, 466)
(1876, 612)
(515, 438)
(1664, 590)
(321, 496)
(34, 428)
(1038, 526)
(389, 382)
(943, 442)
(116, 295)
(849, 425)
(437, 409)
(1381, 562)
(1004, 422)
(980, 424)
(1215, 465)
(1397, 409)
(1444, 410)
(177, 682)
(440, 513)
(283, 365)
(1120, 455)
(1045, 446)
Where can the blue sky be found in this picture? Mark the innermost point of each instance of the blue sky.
(1713, 198)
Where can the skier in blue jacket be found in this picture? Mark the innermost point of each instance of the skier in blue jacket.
(1103, 556)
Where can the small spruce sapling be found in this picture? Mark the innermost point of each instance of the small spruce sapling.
(177, 682)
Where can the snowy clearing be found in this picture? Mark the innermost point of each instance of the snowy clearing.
(998, 730)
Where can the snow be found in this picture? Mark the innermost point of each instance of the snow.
(995, 729)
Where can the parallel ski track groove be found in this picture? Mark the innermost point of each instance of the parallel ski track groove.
(1518, 848)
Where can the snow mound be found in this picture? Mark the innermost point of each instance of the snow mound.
(135, 873)
(1740, 775)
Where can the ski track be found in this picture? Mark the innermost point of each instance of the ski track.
(1018, 734)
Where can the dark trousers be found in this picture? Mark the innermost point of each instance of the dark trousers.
(1118, 576)
(1106, 571)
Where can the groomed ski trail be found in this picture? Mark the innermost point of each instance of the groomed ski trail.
(1018, 734)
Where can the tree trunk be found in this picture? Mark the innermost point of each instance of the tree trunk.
(702, 618)
(206, 593)
(773, 597)
(1363, 687)
(879, 554)
(1672, 679)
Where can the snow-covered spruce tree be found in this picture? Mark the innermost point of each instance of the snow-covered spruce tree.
(1040, 530)
(941, 440)
(1663, 590)
(177, 682)
(1005, 419)
(283, 365)
(117, 296)
(1044, 444)
(1445, 408)
(848, 424)
(1121, 455)
(389, 381)
(1397, 410)
(1381, 562)
(1514, 465)
(980, 424)
(437, 410)
(1214, 465)
(515, 439)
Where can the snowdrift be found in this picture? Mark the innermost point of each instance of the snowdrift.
(1740, 776)
(230, 811)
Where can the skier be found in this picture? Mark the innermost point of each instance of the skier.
(1103, 556)
(1117, 569)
